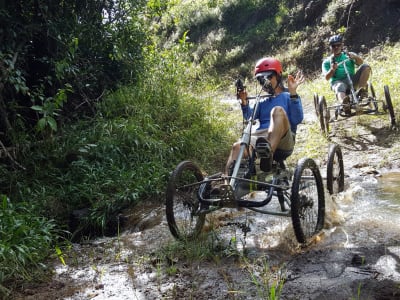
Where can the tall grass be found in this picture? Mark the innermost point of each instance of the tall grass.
(25, 241)
(125, 154)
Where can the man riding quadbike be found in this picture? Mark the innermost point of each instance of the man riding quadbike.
(339, 69)
(354, 94)
(257, 163)
(279, 114)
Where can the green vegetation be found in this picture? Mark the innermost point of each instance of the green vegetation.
(99, 102)
(25, 241)
(269, 283)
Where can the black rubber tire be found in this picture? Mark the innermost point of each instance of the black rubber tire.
(372, 98)
(307, 200)
(335, 170)
(389, 107)
(182, 202)
(323, 115)
(316, 104)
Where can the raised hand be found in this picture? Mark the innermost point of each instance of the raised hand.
(295, 81)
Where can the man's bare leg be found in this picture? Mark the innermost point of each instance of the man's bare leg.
(279, 126)
(233, 156)
(341, 96)
(364, 77)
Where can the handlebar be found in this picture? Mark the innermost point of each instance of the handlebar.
(259, 96)
(240, 87)
(342, 62)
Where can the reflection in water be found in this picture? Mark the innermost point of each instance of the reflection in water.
(368, 212)
(389, 187)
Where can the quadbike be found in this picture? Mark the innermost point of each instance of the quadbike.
(359, 103)
(190, 193)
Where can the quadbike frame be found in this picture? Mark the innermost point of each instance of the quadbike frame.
(356, 102)
(189, 195)
(230, 195)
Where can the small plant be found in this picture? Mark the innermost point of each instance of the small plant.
(269, 283)
(50, 109)
(172, 270)
(198, 250)
(358, 292)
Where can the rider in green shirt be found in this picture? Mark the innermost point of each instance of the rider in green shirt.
(335, 72)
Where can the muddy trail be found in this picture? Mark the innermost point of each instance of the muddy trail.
(356, 256)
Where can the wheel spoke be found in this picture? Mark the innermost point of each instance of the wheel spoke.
(307, 200)
(182, 203)
(335, 170)
(308, 207)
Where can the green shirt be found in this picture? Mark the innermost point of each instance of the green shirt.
(340, 74)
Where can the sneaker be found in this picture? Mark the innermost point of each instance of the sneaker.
(263, 149)
(362, 93)
(346, 106)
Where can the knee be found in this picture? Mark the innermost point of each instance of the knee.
(367, 69)
(278, 111)
(235, 146)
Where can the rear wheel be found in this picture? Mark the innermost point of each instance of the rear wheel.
(323, 115)
(335, 170)
(389, 107)
(316, 104)
(372, 102)
(307, 200)
(182, 203)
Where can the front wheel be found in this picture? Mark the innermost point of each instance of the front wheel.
(307, 200)
(182, 203)
(389, 106)
(323, 115)
(335, 170)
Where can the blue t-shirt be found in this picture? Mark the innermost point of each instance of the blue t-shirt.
(292, 107)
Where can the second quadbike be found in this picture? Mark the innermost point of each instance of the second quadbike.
(361, 101)
(191, 194)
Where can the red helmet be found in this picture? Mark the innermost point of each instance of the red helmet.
(268, 64)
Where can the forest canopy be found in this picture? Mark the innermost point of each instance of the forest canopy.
(51, 51)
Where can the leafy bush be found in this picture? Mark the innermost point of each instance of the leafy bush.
(25, 241)
(124, 154)
(57, 58)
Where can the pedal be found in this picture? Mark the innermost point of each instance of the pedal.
(263, 150)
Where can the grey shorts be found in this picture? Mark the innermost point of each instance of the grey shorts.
(285, 147)
(286, 144)
(342, 86)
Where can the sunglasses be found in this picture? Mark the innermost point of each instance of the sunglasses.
(261, 79)
(336, 45)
